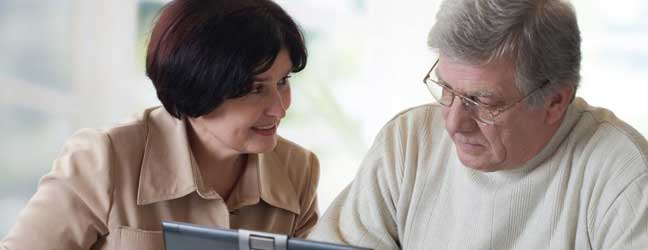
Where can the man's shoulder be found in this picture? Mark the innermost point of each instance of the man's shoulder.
(612, 132)
(416, 116)
(612, 144)
(415, 121)
(417, 112)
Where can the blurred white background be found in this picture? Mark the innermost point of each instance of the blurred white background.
(70, 64)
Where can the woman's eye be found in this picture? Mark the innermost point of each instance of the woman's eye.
(256, 89)
(284, 81)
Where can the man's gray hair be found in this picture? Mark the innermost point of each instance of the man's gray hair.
(540, 37)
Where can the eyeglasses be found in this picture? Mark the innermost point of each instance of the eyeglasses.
(481, 112)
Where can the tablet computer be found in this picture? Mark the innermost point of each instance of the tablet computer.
(183, 236)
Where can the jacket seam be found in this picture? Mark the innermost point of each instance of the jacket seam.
(111, 185)
(302, 214)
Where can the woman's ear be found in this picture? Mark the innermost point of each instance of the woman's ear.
(558, 103)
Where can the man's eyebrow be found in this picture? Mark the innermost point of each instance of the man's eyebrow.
(478, 93)
(441, 80)
(486, 93)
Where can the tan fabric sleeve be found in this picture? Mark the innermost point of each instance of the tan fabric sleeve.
(309, 208)
(70, 208)
(364, 214)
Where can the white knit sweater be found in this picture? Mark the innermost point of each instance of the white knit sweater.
(586, 189)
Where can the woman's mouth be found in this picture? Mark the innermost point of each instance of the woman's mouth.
(265, 130)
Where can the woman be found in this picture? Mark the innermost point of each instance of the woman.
(210, 156)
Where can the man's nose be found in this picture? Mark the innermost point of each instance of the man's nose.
(460, 118)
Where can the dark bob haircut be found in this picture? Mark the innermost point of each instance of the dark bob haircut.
(203, 52)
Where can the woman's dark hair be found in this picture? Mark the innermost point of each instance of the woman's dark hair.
(203, 52)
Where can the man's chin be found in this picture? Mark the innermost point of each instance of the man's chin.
(475, 162)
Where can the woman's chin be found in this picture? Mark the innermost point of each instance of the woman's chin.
(262, 145)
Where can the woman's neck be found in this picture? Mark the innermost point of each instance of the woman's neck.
(220, 168)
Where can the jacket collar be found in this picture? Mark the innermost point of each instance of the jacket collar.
(264, 179)
(169, 170)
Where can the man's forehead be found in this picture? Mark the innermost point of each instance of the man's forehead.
(476, 80)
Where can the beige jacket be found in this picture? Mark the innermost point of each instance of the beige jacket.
(110, 189)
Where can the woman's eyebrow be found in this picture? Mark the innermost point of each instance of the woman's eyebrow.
(263, 79)
(260, 79)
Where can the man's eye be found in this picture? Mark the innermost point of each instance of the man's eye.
(474, 98)
(486, 101)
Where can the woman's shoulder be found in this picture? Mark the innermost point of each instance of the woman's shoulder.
(136, 127)
(298, 163)
(292, 153)
(124, 139)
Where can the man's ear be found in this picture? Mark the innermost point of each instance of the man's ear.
(557, 104)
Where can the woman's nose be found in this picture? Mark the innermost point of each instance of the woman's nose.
(278, 105)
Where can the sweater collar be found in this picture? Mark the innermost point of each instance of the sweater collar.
(573, 114)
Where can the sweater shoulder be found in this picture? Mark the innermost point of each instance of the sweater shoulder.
(415, 122)
(614, 138)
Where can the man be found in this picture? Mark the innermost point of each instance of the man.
(508, 158)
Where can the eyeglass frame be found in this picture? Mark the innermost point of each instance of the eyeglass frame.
(493, 110)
